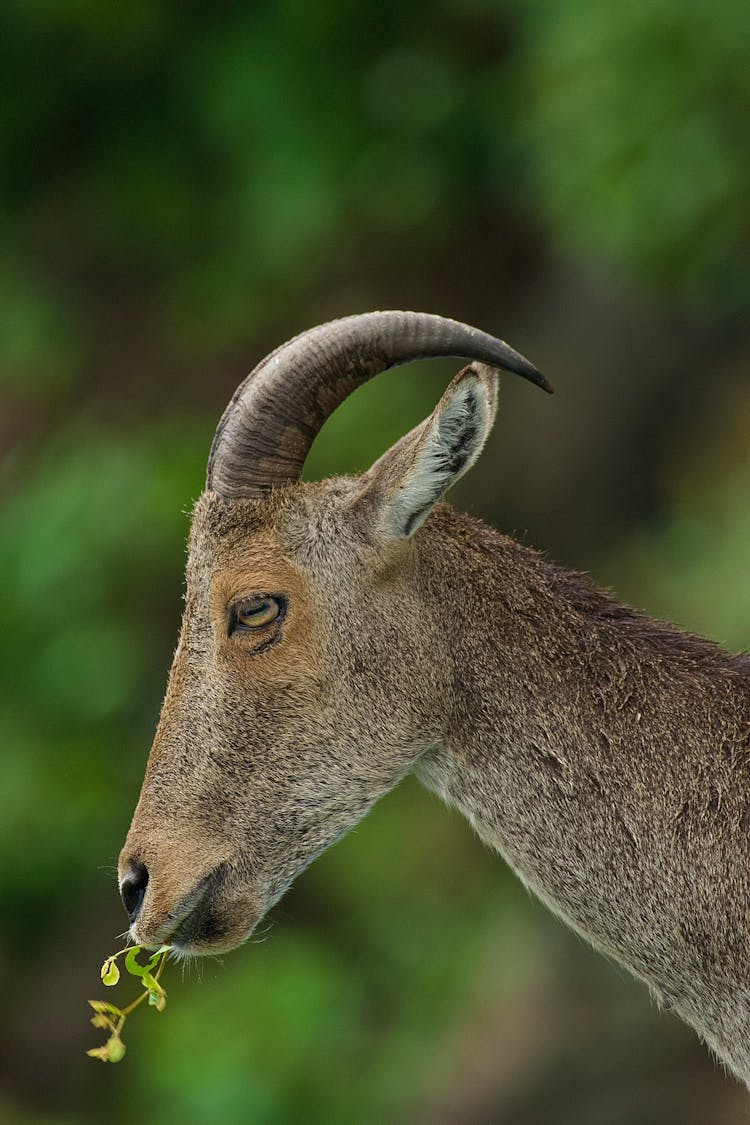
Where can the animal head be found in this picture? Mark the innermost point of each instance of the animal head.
(311, 669)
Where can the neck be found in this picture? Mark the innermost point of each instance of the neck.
(604, 755)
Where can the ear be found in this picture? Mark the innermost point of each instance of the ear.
(403, 485)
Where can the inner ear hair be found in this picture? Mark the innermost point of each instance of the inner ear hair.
(416, 472)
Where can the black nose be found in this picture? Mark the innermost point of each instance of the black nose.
(133, 889)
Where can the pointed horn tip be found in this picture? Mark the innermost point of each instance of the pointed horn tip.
(527, 371)
(520, 365)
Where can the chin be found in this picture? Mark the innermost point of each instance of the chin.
(210, 946)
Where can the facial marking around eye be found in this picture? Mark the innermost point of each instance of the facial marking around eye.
(256, 613)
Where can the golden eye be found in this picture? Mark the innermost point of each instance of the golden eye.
(256, 613)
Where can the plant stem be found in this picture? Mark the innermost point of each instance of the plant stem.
(144, 995)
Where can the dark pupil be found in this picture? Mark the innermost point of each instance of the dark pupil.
(255, 609)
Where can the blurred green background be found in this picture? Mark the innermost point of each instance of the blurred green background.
(185, 185)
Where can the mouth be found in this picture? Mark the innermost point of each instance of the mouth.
(187, 922)
(205, 921)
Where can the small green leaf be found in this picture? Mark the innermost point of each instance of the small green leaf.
(131, 963)
(135, 968)
(157, 1000)
(104, 1022)
(110, 972)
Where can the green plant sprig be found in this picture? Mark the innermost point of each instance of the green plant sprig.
(111, 1018)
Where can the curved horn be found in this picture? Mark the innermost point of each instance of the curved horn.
(266, 431)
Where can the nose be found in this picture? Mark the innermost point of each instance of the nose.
(133, 889)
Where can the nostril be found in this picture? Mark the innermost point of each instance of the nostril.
(133, 889)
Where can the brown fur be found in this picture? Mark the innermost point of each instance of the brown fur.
(604, 755)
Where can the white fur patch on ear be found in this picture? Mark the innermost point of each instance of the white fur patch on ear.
(449, 445)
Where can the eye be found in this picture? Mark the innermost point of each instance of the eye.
(256, 613)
